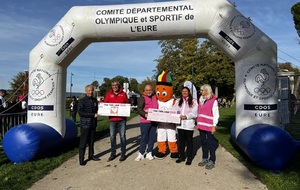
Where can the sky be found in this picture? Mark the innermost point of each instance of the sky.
(23, 24)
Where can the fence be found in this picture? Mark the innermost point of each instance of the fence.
(9, 120)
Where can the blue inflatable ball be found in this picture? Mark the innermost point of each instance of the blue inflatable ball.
(71, 132)
(297, 143)
(25, 142)
(267, 146)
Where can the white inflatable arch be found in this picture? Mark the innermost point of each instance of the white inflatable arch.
(254, 53)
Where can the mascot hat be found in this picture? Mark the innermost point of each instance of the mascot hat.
(164, 78)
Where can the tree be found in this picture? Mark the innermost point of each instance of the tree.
(133, 84)
(121, 80)
(148, 80)
(19, 84)
(106, 85)
(95, 84)
(200, 63)
(289, 66)
(217, 69)
(295, 10)
(178, 58)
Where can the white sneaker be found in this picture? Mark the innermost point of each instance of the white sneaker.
(149, 156)
(139, 157)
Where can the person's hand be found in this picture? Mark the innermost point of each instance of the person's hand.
(183, 117)
(96, 115)
(146, 115)
(213, 130)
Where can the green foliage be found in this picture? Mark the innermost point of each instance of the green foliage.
(288, 178)
(95, 84)
(19, 84)
(295, 10)
(106, 85)
(148, 80)
(133, 84)
(24, 175)
(289, 66)
(200, 63)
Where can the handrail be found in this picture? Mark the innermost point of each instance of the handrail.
(9, 120)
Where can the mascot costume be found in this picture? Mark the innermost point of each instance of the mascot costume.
(166, 132)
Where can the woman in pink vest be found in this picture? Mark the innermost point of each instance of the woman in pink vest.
(208, 116)
(148, 128)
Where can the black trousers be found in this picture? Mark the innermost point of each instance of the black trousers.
(87, 137)
(73, 115)
(185, 139)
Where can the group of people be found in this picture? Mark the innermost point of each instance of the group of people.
(18, 105)
(202, 114)
(88, 112)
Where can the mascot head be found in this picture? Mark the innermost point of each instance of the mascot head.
(164, 89)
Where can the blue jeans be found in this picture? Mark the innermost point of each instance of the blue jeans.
(118, 126)
(148, 137)
(209, 145)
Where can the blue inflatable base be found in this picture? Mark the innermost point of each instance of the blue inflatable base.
(267, 146)
(25, 142)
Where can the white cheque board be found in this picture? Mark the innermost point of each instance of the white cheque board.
(166, 116)
(114, 109)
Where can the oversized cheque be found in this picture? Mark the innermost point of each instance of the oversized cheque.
(167, 116)
(114, 109)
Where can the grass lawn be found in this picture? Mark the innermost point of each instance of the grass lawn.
(22, 176)
(288, 178)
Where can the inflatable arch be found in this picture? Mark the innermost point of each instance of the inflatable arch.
(254, 53)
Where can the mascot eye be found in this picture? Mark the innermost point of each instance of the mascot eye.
(164, 93)
(157, 93)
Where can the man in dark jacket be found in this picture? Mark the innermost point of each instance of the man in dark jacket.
(87, 110)
(117, 95)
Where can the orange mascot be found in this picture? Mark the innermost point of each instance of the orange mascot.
(166, 132)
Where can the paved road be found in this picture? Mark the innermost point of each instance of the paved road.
(164, 174)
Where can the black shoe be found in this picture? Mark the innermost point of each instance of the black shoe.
(83, 163)
(174, 155)
(112, 157)
(160, 155)
(94, 158)
(122, 158)
(188, 162)
(179, 160)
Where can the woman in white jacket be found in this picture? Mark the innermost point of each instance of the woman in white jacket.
(188, 113)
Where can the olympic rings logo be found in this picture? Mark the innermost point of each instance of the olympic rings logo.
(238, 30)
(263, 91)
(56, 38)
(38, 92)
